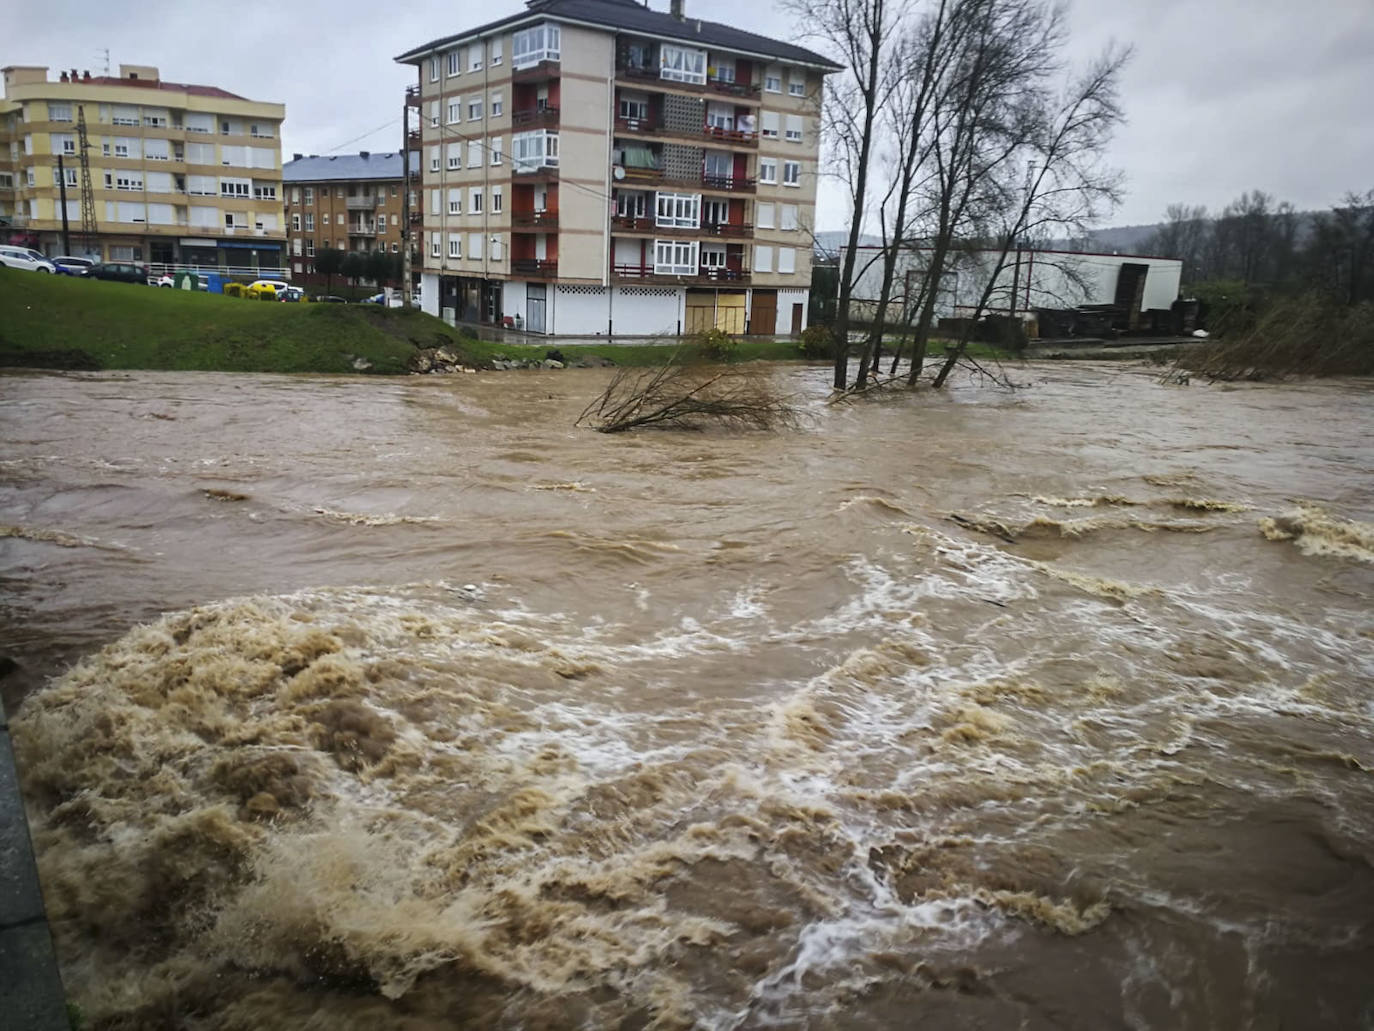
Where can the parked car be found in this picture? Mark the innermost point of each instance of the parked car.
(330, 299)
(67, 265)
(291, 294)
(25, 258)
(119, 271)
(262, 286)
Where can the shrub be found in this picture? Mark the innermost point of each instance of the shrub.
(715, 345)
(817, 342)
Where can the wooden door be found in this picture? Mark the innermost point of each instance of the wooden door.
(763, 318)
(797, 317)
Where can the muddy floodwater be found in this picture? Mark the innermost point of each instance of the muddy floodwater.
(346, 703)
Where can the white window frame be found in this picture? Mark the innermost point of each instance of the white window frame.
(455, 200)
(237, 188)
(768, 171)
(787, 261)
(796, 85)
(455, 245)
(475, 246)
(768, 125)
(455, 111)
(309, 221)
(434, 68)
(791, 173)
(436, 245)
(498, 201)
(475, 201)
(772, 80)
(496, 104)
(496, 150)
(763, 258)
(474, 153)
(535, 44)
(455, 62)
(58, 112)
(475, 109)
(677, 210)
(713, 255)
(763, 215)
(794, 130)
(533, 150)
(681, 64)
(454, 157)
(676, 257)
(788, 219)
(434, 159)
(496, 52)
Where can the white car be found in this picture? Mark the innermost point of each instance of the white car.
(24, 258)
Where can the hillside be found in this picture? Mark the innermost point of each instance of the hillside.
(66, 323)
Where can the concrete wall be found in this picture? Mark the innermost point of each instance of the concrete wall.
(429, 293)
(584, 166)
(787, 298)
(579, 310)
(647, 310)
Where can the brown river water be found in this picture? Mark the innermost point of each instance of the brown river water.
(349, 703)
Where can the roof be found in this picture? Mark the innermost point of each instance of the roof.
(158, 84)
(319, 168)
(632, 16)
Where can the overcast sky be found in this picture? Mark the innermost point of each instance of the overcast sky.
(1223, 96)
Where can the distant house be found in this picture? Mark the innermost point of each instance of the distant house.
(1030, 281)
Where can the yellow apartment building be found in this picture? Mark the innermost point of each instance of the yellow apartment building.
(180, 174)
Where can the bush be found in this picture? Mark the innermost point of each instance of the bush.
(817, 343)
(715, 345)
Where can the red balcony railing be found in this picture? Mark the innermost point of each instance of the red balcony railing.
(539, 220)
(540, 268)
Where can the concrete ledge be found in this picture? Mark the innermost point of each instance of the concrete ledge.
(31, 995)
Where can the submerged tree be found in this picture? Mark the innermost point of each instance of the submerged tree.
(689, 396)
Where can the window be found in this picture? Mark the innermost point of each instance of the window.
(794, 129)
(724, 70)
(235, 187)
(763, 216)
(28, 178)
(309, 222)
(475, 57)
(716, 213)
(434, 244)
(681, 64)
(678, 210)
(791, 173)
(434, 198)
(496, 248)
(496, 150)
(324, 219)
(787, 260)
(434, 114)
(475, 202)
(67, 173)
(434, 159)
(763, 259)
(134, 181)
(496, 51)
(719, 167)
(497, 202)
(474, 153)
(434, 69)
(126, 148)
(455, 245)
(498, 103)
(475, 109)
(769, 125)
(310, 195)
(712, 255)
(455, 201)
(309, 248)
(200, 153)
(633, 107)
(772, 80)
(720, 116)
(475, 246)
(532, 45)
(125, 115)
(455, 156)
(59, 112)
(295, 195)
(630, 205)
(264, 191)
(455, 111)
(381, 223)
(230, 127)
(196, 122)
(296, 251)
(66, 144)
(789, 217)
(455, 62)
(534, 150)
(675, 257)
(202, 185)
(796, 85)
(394, 247)
(768, 171)
(235, 220)
(261, 130)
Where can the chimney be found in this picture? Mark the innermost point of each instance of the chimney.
(675, 9)
(363, 154)
(73, 75)
(64, 77)
(297, 157)
(86, 77)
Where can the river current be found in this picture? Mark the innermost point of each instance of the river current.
(353, 703)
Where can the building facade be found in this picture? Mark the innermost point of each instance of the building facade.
(598, 167)
(350, 202)
(180, 174)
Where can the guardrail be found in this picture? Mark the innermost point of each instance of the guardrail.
(159, 269)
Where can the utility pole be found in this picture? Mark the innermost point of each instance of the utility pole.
(62, 194)
(406, 233)
(90, 238)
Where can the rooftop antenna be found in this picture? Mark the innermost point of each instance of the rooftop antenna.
(106, 52)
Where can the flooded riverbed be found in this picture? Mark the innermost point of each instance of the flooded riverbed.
(406, 704)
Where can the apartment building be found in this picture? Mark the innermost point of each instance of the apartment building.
(351, 202)
(180, 174)
(600, 167)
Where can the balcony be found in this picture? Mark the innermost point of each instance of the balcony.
(362, 203)
(652, 127)
(538, 268)
(632, 177)
(535, 118)
(536, 169)
(705, 276)
(362, 229)
(546, 69)
(413, 97)
(539, 221)
(647, 225)
(651, 76)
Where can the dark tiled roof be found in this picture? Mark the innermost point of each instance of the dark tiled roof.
(318, 168)
(632, 16)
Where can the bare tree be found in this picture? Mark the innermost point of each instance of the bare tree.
(856, 32)
(1183, 236)
(687, 396)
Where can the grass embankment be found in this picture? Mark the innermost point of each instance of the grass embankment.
(62, 322)
(746, 349)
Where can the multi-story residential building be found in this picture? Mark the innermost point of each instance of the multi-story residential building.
(180, 174)
(598, 167)
(352, 202)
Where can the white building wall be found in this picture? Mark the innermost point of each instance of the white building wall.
(579, 310)
(429, 293)
(787, 298)
(647, 310)
(513, 300)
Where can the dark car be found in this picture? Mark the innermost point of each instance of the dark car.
(71, 266)
(330, 299)
(121, 271)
